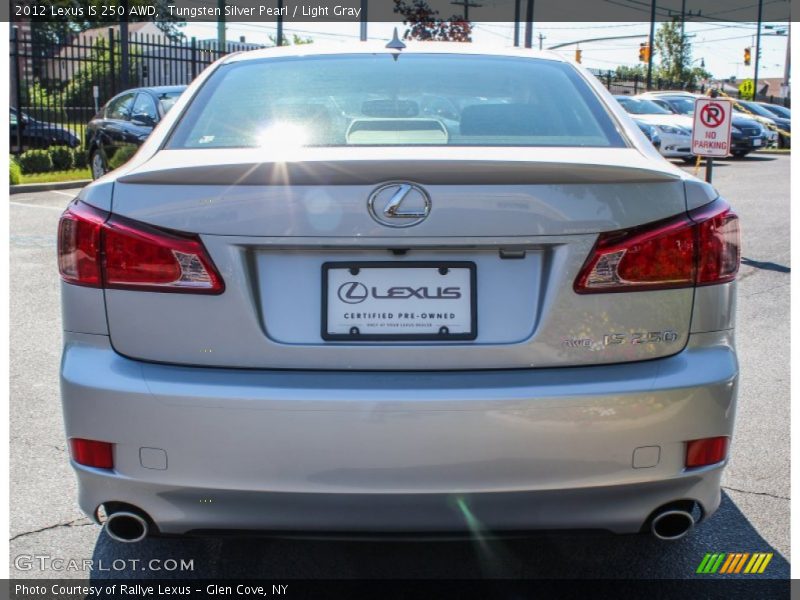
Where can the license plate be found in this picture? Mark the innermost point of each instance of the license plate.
(391, 301)
(757, 142)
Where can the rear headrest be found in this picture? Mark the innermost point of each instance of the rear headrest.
(501, 119)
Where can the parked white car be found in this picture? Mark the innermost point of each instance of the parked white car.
(675, 130)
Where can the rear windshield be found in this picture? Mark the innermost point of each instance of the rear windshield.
(639, 106)
(168, 99)
(375, 100)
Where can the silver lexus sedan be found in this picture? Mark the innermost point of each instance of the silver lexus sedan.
(371, 289)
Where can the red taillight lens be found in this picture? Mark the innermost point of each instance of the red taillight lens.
(708, 451)
(92, 453)
(718, 247)
(138, 256)
(699, 249)
(79, 244)
(99, 250)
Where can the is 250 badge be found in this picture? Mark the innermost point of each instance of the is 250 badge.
(647, 337)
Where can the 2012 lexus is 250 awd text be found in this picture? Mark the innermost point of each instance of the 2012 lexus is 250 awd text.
(398, 289)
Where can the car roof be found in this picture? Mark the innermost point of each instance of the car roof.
(379, 47)
(154, 89)
(161, 89)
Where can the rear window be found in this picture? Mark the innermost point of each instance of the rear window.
(375, 100)
(168, 99)
(638, 106)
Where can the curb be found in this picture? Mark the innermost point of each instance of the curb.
(45, 187)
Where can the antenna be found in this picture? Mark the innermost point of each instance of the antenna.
(395, 43)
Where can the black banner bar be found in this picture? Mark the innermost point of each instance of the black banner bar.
(133, 589)
(353, 11)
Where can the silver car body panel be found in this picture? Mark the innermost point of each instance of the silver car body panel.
(257, 423)
(244, 438)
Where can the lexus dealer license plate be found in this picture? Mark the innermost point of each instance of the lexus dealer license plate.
(399, 301)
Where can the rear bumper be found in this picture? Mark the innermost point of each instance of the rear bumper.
(747, 144)
(381, 451)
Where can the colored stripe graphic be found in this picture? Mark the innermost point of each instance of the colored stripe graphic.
(767, 558)
(734, 562)
(729, 562)
(740, 564)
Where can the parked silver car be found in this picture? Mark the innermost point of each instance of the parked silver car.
(388, 289)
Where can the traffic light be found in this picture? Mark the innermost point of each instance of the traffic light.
(747, 57)
(578, 53)
(644, 52)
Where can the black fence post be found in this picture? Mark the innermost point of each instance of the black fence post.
(194, 58)
(608, 81)
(17, 89)
(111, 61)
(635, 84)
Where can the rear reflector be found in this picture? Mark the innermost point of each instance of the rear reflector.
(701, 248)
(100, 250)
(708, 451)
(92, 453)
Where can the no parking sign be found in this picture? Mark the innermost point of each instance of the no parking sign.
(711, 134)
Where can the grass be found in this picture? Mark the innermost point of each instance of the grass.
(53, 176)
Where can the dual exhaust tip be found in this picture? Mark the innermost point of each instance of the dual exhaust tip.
(671, 525)
(126, 526)
(129, 527)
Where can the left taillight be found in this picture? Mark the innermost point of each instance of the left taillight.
(97, 249)
(79, 244)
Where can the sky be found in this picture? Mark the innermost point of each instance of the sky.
(720, 45)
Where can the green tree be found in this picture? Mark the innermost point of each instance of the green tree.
(675, 56)
(625, 72)
(95, 71)
(57, 32)
(425, 24)
(295, 41)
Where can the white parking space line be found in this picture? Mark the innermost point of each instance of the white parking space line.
(59, 208)
(68, 194)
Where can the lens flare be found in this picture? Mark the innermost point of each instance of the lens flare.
(283, 136)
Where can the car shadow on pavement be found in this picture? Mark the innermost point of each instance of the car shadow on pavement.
(540, 555)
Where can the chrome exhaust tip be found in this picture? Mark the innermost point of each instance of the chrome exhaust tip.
(672, 524)
(126, 527)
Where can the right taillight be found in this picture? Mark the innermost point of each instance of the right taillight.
(701, 248)
(97, 249)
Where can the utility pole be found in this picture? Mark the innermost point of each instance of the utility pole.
(541, 41)
(363, 20)
(683, 32)
(124, 62)
(758, 51)
(788, 60)
(221, 27)
(279, 32)
(652, 38)
(529, 25)
(517, 10)
(467, 5)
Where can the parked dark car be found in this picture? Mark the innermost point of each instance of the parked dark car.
(747, 135)
(781, 123)
(38, 134)
(777, 110)
(124, 123)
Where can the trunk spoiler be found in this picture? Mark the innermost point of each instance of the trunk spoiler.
(581, 166)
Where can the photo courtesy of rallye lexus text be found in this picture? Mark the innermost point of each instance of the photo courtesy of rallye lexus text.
(398, 288)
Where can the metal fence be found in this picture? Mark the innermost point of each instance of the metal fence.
(60, 87)
(629, 86)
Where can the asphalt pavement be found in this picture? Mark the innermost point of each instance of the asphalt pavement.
(754, 516)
